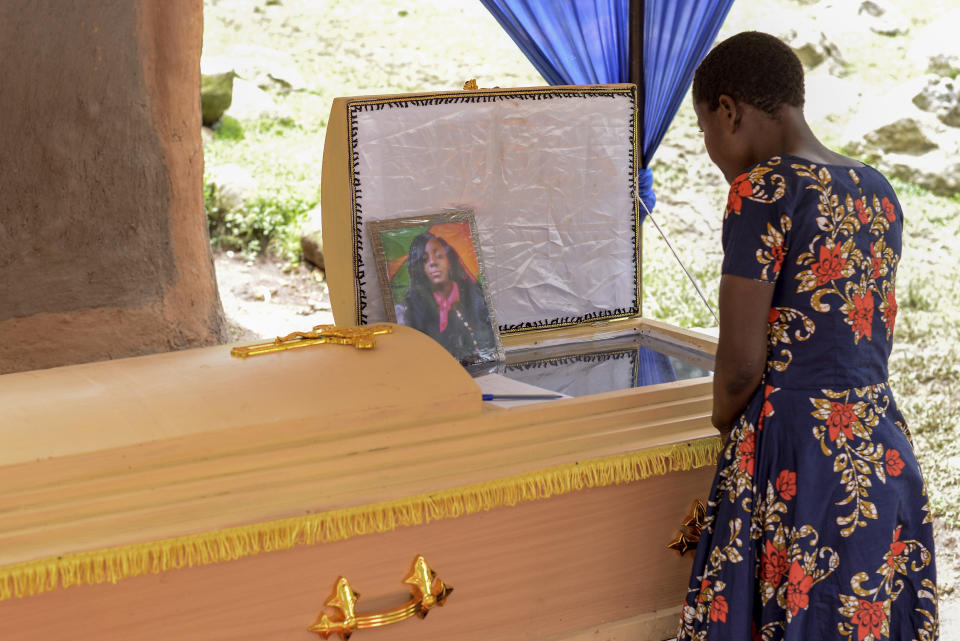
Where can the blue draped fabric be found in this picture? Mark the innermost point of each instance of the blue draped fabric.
(576, 42)
(653, 367)
(677, 34)
(570, 42)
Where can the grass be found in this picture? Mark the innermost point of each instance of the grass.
(925, 364)
(366, 47)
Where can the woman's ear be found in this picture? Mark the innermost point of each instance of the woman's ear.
(730, 112)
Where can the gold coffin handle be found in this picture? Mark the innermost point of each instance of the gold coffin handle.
(428, 591)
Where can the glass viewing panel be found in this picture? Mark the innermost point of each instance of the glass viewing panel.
(580, 369)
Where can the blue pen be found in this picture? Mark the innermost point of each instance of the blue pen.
(520, 397)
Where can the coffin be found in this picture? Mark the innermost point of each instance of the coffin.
(196, 495)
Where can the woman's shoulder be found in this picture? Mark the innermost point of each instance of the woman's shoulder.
(763, 184)
(784, 178)
(805, 170)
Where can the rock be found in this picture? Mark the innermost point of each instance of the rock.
(904, 142)
(941, 97)
(311, 247)
(952, 116)
(250, 102)
(814, 47)
(233, 185)
(936, 47)
(267, 68)
(311, 238)
(873, 8)
(216, 94)
(938, 172)
(903, 136)
(884, 18)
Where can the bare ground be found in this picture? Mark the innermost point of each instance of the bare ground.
(265, 298)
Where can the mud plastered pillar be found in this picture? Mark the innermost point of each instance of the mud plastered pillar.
(104, 250)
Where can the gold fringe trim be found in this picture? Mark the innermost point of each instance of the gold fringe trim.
(128, 561)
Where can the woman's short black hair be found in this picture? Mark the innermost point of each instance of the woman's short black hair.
(751, 67)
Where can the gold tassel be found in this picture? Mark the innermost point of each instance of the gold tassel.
(123, 562)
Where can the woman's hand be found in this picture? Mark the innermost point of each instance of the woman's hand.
(741, 347)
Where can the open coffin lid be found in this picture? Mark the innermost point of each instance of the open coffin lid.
(550, 174)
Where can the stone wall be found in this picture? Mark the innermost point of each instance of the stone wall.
(103, 243)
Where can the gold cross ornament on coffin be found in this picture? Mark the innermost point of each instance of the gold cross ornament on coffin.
(363, 337)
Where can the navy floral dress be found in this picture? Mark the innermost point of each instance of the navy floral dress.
(818, 524)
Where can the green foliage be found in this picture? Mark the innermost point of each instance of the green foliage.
(228, 128)
(275, 126)
(924, 374)
(919, 294)
(269, 222)
(668, 294)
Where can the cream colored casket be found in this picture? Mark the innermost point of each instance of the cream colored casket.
(195, 495)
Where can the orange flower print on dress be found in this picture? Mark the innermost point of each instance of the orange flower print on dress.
(830, 266)
(747, 451)
(787, 485)
(773, 564)
(718, 609)
(888, 209)
(767, 409)
(894, 464)
(862, 213)
(890, 313)
(869, 619)
(876, 262)
(896, 547)
(861, 316)
(798, 585)
(704, 584)
(777, 252)
(841, 416)
(740, 188)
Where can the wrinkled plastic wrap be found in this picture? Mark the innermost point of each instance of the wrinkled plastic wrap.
(550, 180)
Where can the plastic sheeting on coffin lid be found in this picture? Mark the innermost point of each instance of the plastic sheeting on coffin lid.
(548, 172)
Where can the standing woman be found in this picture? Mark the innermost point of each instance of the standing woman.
(818, 523)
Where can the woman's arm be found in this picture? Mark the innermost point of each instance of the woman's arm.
(742, 346)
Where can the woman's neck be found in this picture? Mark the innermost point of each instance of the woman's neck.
(790, 134)
(445, 288)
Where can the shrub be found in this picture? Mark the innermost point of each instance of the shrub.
(228, 128)
(268, 223)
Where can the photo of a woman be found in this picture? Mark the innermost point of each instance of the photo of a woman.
(445, 303)
(435, 284)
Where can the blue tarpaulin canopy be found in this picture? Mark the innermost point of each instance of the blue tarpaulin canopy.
(656, 44)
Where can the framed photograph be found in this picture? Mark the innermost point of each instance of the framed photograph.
(432, 279)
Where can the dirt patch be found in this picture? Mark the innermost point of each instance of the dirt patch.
(265, 297)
